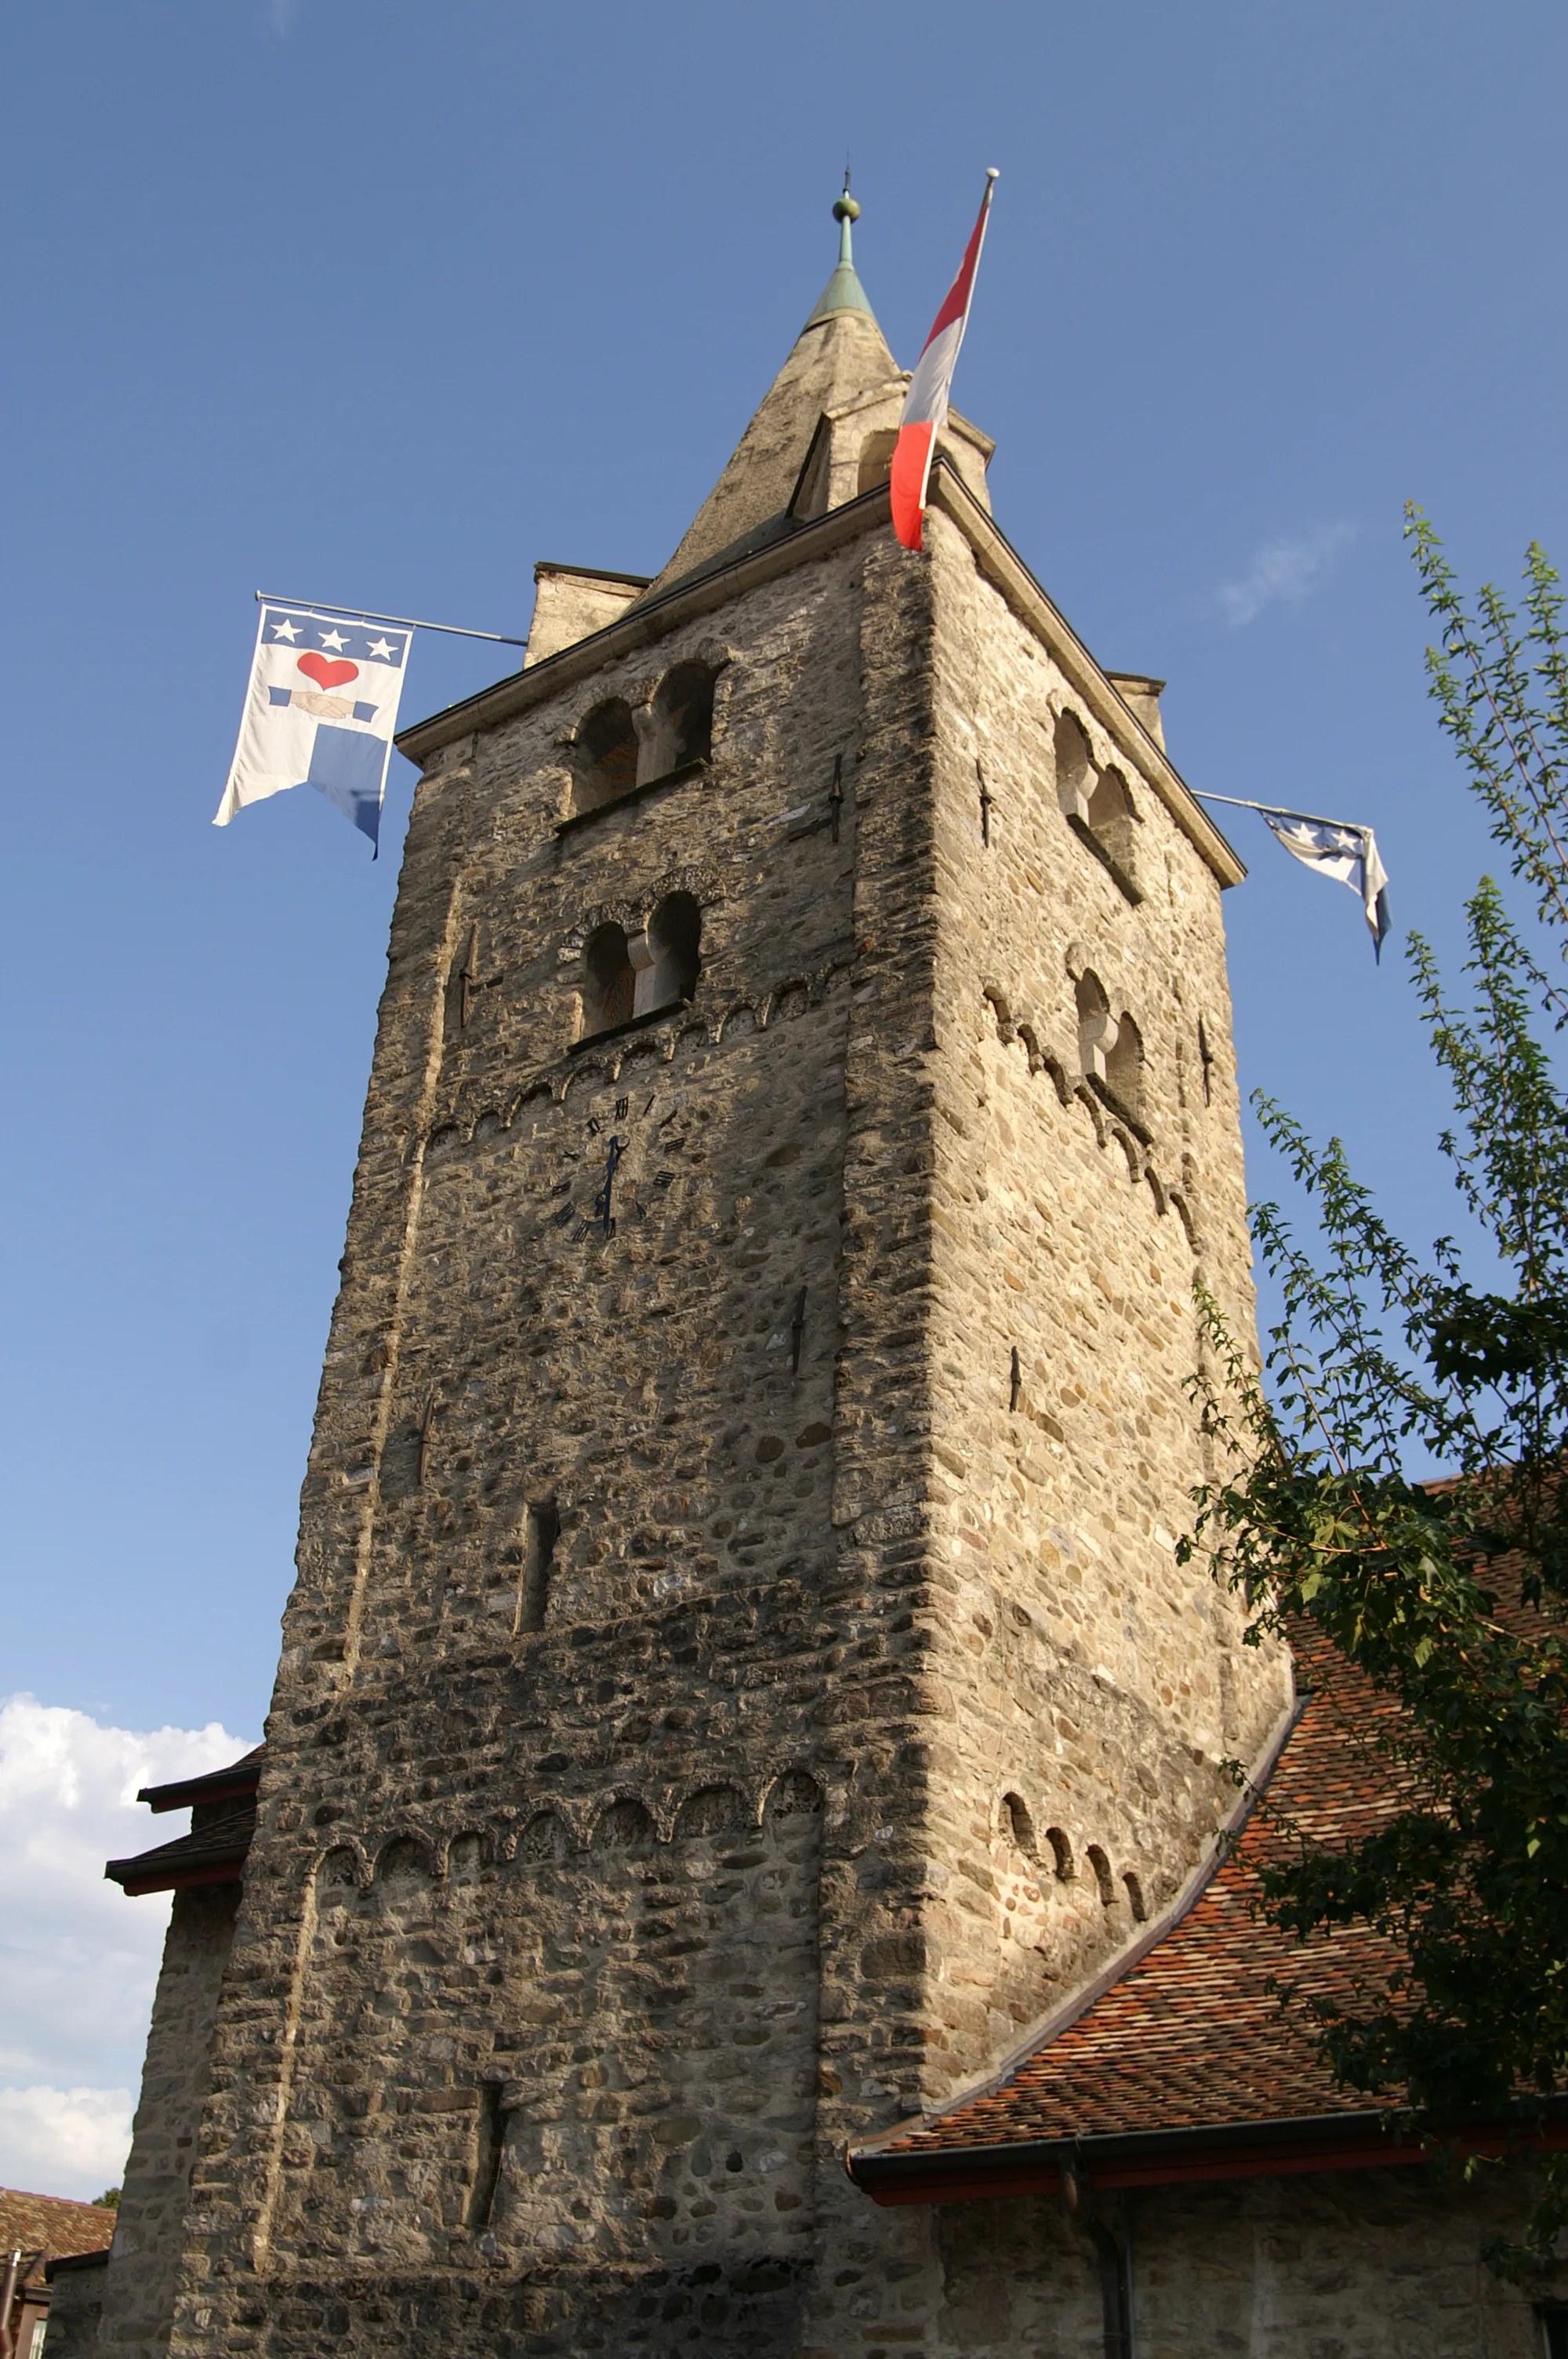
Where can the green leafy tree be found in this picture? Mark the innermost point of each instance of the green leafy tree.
(1450, 1597)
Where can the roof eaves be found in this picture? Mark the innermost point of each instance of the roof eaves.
(75, 2261)
(212, 1855)
(241, 1776)
(1009, 573)
(649, 619)
(1356, 2139)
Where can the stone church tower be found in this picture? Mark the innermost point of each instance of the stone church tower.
(738, 1679)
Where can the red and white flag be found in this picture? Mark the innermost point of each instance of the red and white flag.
(926, 403)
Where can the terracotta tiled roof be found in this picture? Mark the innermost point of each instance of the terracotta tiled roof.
(45, 2227)
(1188, 2046)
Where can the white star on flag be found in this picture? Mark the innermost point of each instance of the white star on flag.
(322, 719)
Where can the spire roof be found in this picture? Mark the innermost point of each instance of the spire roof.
(840, 354)
(843, 291)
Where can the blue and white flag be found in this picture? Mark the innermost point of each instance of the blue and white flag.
(1346, 852)
(320, 711)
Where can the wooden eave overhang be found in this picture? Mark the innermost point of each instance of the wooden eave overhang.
(214, 1853)
(241, 1778)
(702, 593)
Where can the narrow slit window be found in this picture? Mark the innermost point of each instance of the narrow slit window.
(491, 2149)
(538, 1562)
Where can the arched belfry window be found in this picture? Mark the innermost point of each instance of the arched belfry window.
(682, 719)
(668, 976)
(1110, 1051)
(608, 980)
(606, 756)
(1124, 1069)
(1074, 770)
(639, 973)
(1098, 805)
(1112, 822)
(1096, 1025)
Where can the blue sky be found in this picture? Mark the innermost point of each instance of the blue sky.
(380, 300)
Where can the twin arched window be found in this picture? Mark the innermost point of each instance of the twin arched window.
(1110, 1048)
(1098, 804)
(617, 748)
(630, 974)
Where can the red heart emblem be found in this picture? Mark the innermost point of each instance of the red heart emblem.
(325, 673)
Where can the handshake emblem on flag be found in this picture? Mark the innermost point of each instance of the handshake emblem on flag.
(320, 711)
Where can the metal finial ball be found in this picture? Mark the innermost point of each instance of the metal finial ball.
(845, 208)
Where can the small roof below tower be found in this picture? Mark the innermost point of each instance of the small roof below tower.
(839, 353)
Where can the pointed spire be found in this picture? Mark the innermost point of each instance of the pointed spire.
(839, 355)
(843, 291)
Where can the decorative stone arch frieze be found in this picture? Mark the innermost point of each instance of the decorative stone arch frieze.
(406, 1856)
(622, 1821)
(341, 1867)
(467, 1855)
(455, 1123)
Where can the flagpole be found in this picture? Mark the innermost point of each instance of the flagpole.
(404, 622)
(1239, 803)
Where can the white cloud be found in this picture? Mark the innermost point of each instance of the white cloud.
(1284, 572)
(78, 1960)
(64, 2141)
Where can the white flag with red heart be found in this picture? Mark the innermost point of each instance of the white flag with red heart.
(320, 711)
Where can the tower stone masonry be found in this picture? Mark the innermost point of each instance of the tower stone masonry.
(739, 1679)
